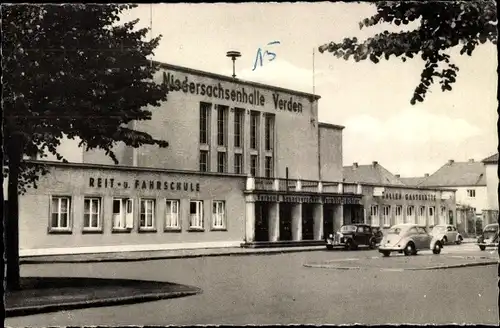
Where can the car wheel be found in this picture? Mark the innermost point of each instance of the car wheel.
(350, 245)
(437, 248)
(482, 248)
(459, 241)
(373, 243)
(445, 240)
(409, 249)
(329, 247)
(386, 253)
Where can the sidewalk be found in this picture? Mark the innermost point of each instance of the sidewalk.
(167, 254)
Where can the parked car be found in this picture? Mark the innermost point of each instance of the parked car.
(351, 236)
(409, 238)
(377, 232)
(447, 233)
(489, 237)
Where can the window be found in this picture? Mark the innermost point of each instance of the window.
(238, 163)
(196, 214)
(205, 123)
(269, 131)
(92, 214)
(221, 125)
(254, 165)
(374, 215)
(172, 215)
(410, 214)
(421, 230)
(221, 162)
(387, 216)
(204, 160)
(238, 127)
(399, 214)
(218, 215)
(421, 216)
(442, 216)
(254, 130)
(269, 167)
(147, 214)
(60, 214)
(123, 218)
(431, 216)
(471, 193)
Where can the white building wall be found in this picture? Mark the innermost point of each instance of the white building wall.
(480, 202)
(492, 186)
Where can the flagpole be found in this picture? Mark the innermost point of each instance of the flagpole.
(313, 75)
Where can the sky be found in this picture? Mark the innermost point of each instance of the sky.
(371, 100)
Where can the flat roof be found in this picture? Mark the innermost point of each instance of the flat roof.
(235, 80)
(330, 126)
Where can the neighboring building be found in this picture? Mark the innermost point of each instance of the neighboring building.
(469, 180)
(388, 201)
(490, 214)
(247, 162)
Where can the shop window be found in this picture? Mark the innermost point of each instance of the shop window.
(254, 130)
(375, 219)
(269, 167)
(410, 214)
(172, 221)
(147, 214)
(196, 215)
(471, 193)
(442, 215)
(123, 214)
(238, 127)
(60, 210)
(238, 163)
(218, 215)
(205, 123)
(92, 214)
(421, 216)
(399, 214)
(204, 160)
(221, 162)
(387, 216)
(221, 125)
(254, 165)
(431, 216)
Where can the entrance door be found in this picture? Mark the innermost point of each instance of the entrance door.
(261, 221)
(307, 222)
(285, 221)
(328, 227)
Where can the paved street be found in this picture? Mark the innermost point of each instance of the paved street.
(279, 289)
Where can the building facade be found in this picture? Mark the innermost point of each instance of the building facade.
(247, 163)
(388, 201)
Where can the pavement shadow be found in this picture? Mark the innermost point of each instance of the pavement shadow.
(50, 294)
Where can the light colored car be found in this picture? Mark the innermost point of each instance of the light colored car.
(408, 238)
(447, 233)
(489, 237)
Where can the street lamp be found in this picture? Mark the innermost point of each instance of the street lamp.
(233, 55)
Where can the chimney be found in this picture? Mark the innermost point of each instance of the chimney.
(471, 160)
(398, 176)
(374, 163)
(451, 162)
(355, 165)
(426, 175)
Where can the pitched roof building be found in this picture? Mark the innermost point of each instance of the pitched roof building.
(457, 174)
(374, 174)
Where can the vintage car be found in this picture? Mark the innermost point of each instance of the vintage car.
(408, 238)
(447, 233)
(489, 237)
(351, 236)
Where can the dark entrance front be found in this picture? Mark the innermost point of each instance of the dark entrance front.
(285, 221)
(328, 212)
(262, 221)
(353, 214)
(307, 221)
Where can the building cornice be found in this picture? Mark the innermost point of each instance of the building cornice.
(330, 126)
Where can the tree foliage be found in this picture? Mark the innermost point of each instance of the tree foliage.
(73, 70)
(443, 25)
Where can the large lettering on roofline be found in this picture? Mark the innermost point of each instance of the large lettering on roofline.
(252, 96)
(144, 184)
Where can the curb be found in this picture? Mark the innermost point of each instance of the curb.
(453, 266)
(45, 259)
(30, 310)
